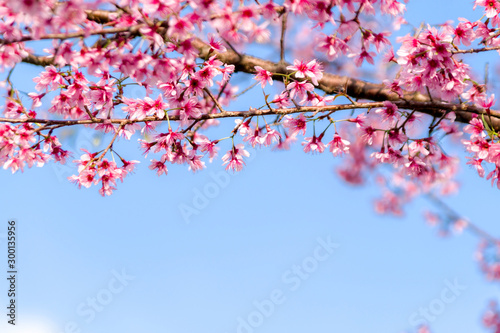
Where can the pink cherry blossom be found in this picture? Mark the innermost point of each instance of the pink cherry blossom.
(314, 144)
(299, 89)
(160, 167)
(234, 158)
(311, 70)
(338, 146)
(296, 125)
(263, 76)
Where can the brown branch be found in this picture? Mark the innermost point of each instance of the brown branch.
(358, 89)
(132, 29)
(482, 49)
(39, 60)
(419, 106)
(101, 16)
(330, 83)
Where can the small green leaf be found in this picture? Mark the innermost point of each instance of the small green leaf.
(485, 124)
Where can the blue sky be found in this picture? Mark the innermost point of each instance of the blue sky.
(258, 239)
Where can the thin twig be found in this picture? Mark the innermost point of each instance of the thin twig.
(421, 106)
(282, 38)
(111, 142)
(221, 109)
(455, 216)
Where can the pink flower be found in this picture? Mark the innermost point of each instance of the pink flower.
(395, 137)
(271, 136)
(464, 32)
(195, 163)
(491, 7)
(476, 164)
(15, 164)
(313, 144)
(209, 147)
(295, 125)
(487, 103)
(418, 146)
(263, 76)
(415, 167)
(194, 86)
(300, 89)
(129, 166)
(389, 204)
(159, 166)
(226, 71)
(128, 130)
(363, 55)
(215, 45)
(494, 176)
(381, 156)
(379, 40)
(165, 140)
(179, 25)
(332, 46)
(86, 178)
(255, 137)
(37, 99)
(479, 147)
(244, 127)
(389, 112)
(260, 34)
(234, 158)
(189, 109)
(84, 160)
(338, 146)
(475, 128)
(155, 107)
(50, 78)
(494, 153)
(392, 7)
(302, 70)
(285, 144)
(318, 100)
(282, 100)
(368, 134)
(102, 96)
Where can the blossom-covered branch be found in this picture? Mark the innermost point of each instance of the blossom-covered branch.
(330, 83)
(431, 108)
(182, 56)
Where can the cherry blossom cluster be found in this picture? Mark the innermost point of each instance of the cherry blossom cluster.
(484, 145)
(93, 170)
(446, 223)
(488, 256)
(19, 147)
(388, 137)
(427, 62)
(153, 45)
(491, 318)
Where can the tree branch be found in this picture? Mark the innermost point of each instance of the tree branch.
(418, 106)
(330, 83)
